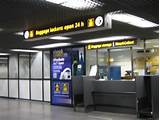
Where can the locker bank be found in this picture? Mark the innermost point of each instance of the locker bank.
(79, 59)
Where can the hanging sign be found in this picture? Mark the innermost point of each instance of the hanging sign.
(112, 44)
(89, 23)
(125, 43)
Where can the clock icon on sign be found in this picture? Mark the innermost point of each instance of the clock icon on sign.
(26, 34)
(99, 21)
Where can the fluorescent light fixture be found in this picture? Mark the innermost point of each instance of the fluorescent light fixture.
(24, 50)
(52, 45)
(156, 46)
(133, 20)
(106, 39)
(60, 38)
(77, 4)
(19, 33)
(57, 1)
(4, 54)
(156, 31)
(138, 48)
(3, 58)
(117, 50)
(1, 29)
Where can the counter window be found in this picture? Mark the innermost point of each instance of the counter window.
(121, 59)
(139, 58)
(152, 57)
(91, 59)
(117, 63)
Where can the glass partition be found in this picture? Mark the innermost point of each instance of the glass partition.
(24, 65)
(3, 67)
(46, 64)
(36, 65)
(91, 59)
(103, 63)
(152, 57)
(120, 63)
(13, 66)
(128, 61)
(139, 58)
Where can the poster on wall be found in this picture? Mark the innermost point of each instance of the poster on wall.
(61, 89)
(65, 88)
(61, 66)
(57, 88)
(66, 62)
(61, 77)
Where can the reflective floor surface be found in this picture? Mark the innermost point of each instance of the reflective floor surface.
(11, 109)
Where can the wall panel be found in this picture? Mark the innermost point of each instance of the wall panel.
(4, 87)
(24, 89)
(36, 89)
(13, 88)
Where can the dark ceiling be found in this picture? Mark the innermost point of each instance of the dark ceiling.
(20, 15)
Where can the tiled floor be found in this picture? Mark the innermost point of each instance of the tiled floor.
(31, 110)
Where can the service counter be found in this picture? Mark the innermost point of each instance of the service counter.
(114, 96)
(109, 95)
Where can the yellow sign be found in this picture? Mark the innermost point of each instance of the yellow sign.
(55, 29)
(65, 88)
(58, 53)
(98, 46)
(124, 43)
(72, 26)
(31, 34)
(57, 87)
(91, 22)
(111, 44)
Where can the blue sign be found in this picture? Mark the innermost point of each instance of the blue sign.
(61, 75)
(65, 63)
(61, 66)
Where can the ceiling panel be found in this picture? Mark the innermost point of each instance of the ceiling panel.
(19, 15)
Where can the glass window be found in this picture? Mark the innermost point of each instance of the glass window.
(152, 57)
(103, 63)
(13, 66)
(91, 59)
(139, 58)
(3, 67)
(24, 65)
(46, 64)
(120, 63)
(36, 65)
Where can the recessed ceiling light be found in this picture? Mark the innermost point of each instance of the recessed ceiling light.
(60, 38)
(19, 33)
(105, 39)
(52, 45)
(156, 46)
(3, 58)
(77, 4)
(156, 31)
(133, 20)
(4, 54)
(57, 1)
(24, 50)
(1, 29)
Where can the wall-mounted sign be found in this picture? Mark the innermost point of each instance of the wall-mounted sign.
(101, 45)
(56, 87)
(112, 44)
(82, 24)
(61, 65)
(124, 43)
